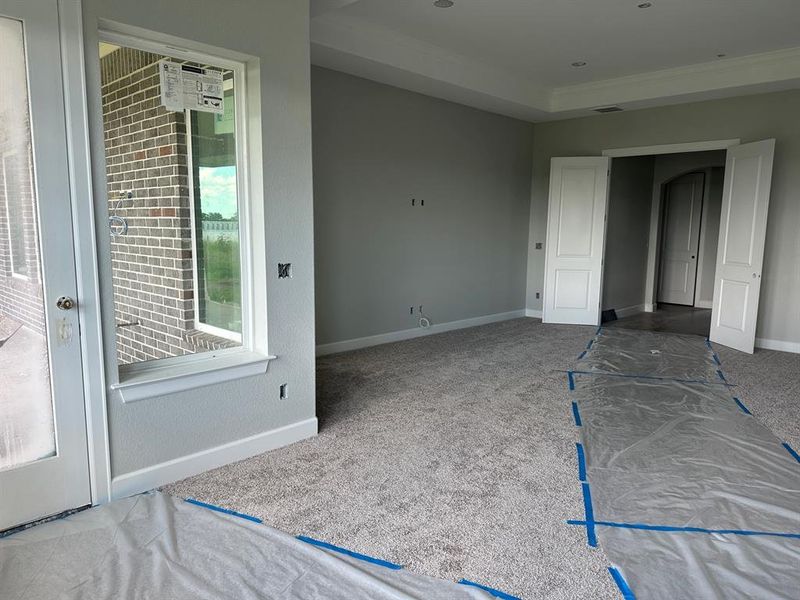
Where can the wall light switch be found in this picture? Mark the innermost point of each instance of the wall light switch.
(538, 245)
(284, 270)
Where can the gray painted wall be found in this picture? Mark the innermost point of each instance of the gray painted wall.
(276, 31)
(709, 235)
(461, 255)
(750, 118)
(627, 232)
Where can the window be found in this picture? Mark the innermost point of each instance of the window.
(14, 192)
(215, 218)
(177, 199)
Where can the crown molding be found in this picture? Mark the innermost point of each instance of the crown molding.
(366, 50)
(730, 74)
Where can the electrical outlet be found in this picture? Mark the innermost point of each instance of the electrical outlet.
(538, 295)
(284, 393)
(538, 245)
(411, 311)
(284, 270)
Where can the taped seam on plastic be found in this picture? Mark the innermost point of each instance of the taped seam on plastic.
(742, 407)
(576, 415)
(624, 588)
(571, 380)
(716, 358)
(581, 355)
(599, 329)
(721, 376)
(591, 535)
(581, 462)
(791, 451)
(677, 529)
(658, 377)
(490, 591)
(226, 511)
(589, 345)
(357, 555)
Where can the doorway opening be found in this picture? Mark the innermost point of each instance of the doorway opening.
(661, 243)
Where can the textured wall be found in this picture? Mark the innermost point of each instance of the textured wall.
(750, 118)
(461, 255)
(627, 232)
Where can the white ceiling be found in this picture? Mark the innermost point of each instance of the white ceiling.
(513, 56)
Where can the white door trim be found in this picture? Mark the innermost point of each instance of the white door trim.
(75, 91)
(671, 148)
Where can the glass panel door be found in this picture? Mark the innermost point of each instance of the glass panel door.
(43, 453)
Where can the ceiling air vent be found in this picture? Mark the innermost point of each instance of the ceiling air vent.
(607, 109)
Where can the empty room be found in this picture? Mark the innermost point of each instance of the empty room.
(367, 299)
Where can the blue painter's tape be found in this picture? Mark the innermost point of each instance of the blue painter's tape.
(571, 380)
(599, 329)
(581, 355)
(581, 462)
(716, 358)
(791, 451)
(491, 591)
(742, 406)
(721, 376)
(676, 529)
(589, 345)
(226, 511)
(591, 535)
(630, 376)
(576, 415)
(364, 557)
(708, 343)
(624, 588)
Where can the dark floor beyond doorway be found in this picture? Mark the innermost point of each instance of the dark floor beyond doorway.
(672, 318)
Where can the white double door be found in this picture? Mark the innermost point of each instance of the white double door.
(44, 466)
(576, 229)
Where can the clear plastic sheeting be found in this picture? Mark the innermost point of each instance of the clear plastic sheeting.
(156, 546)
(631, 352)
(689, 495)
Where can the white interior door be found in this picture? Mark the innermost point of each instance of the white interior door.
(576, 228)
(683, 208)
(740, 254)
(43, 454)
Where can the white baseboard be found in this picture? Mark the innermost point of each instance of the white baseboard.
(628, 311)
(704, 304)
(407, 334)
(766, 344)
(649, 307)
(186, 466)
(531, 312)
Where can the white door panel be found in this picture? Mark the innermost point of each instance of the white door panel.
(43, 454)
(740, 254)
(683, 208)
(575, 240)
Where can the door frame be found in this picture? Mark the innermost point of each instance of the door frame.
(657, 201)
(71, 29)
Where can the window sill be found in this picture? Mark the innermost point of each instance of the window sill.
(162, 380)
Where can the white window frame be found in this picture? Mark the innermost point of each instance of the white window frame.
(238, 90)
(11, 252)
(144, 380)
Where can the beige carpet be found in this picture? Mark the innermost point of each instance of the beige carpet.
(454, 455)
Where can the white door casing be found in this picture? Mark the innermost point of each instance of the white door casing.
(740, 253)
(576, 226)
(681, 234)
(50, 485)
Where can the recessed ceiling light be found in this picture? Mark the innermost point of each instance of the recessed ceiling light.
(645, 5)
(579, 63)
(443, 3)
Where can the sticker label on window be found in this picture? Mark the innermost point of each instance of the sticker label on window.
(192, 88)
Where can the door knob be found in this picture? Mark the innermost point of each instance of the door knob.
(65, 303)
